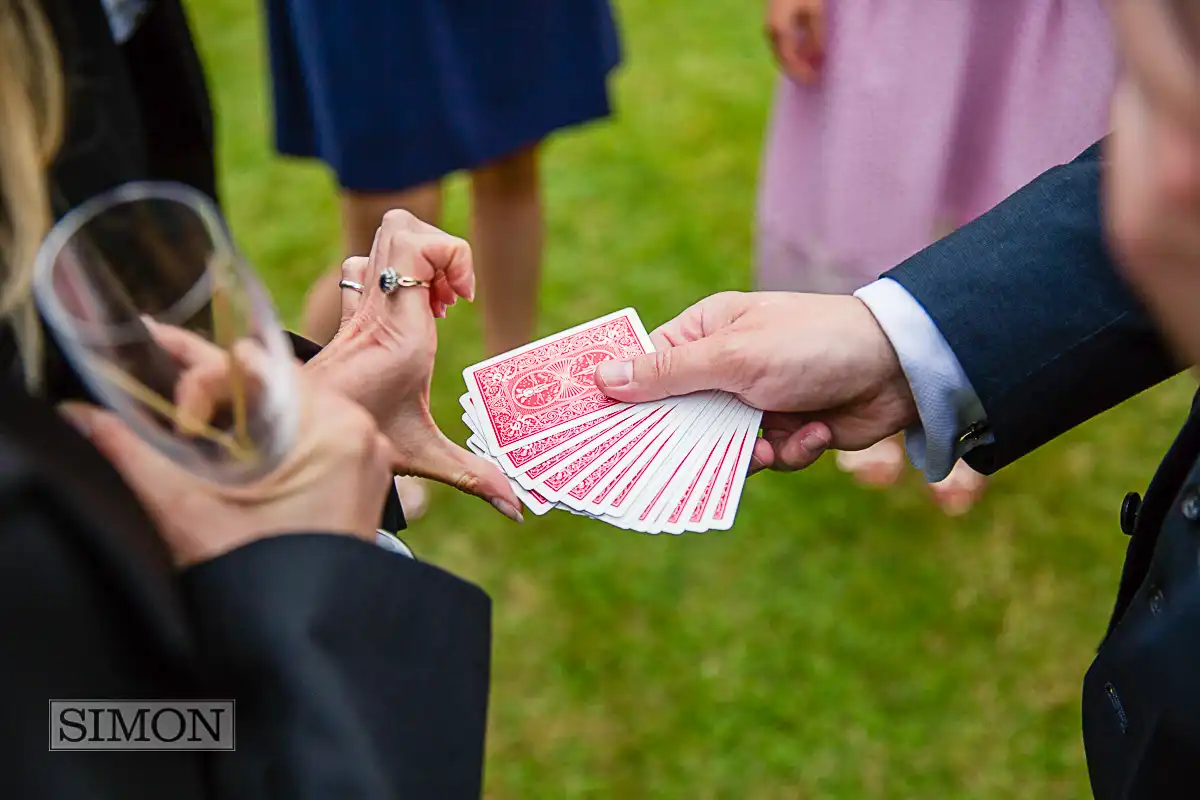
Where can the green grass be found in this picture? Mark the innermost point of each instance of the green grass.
(838, 643)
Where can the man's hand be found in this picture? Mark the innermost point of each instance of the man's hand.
(819, 365)
(796, 31)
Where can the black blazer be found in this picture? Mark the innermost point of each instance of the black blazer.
(358, 673)
(1029, 299)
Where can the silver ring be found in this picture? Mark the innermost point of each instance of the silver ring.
(355, 285)
(390, 281)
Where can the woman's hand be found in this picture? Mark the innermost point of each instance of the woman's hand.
(382, 355)
(334, 480)
(796, 31)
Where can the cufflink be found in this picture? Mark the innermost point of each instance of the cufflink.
(389, 541)
(974, 432)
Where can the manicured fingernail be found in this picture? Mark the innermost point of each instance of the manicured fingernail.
(814, 442)
(615, 374)
(506, 508)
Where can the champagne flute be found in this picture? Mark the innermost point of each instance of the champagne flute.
(130, 271)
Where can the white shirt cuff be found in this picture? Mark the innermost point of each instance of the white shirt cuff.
(946, 402)
(390, 541)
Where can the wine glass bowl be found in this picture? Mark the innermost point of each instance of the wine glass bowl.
(144, 291)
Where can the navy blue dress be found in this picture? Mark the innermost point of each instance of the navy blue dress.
(395, 93)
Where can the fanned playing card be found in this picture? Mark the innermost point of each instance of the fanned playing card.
(672, 465)
(549, 386)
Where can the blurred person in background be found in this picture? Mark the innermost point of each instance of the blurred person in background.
(897, 121)
(1000, 337)
(357, 672)
(394, 95)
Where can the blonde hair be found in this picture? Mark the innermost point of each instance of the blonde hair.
(31, 110)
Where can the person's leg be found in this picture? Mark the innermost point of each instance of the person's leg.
(361, 215)
(881, 464)
(960, 490)
(506, 223)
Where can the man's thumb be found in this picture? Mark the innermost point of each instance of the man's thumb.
(687, 368)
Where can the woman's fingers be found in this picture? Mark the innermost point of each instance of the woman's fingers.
(206, 387)
(451, 257)
(188, 349)
(414, 249)
(205, 381)
(446, 255)
(442, 289)
(795, 30)
(810, 31)
(429, 454)
(400, 251)
(356, 269)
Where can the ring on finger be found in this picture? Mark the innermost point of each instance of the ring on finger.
(390, 281)
(355, 285)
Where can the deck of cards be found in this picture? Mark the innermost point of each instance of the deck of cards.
(670, 466)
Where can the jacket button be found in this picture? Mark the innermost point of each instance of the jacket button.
(1156, 601)
(1191, 504)
(1130, 507)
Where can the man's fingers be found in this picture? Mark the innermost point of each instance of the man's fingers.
(685, 368)
(660, 341)
(703, 319)
(802, 447)
(691, 354)
(763, 456)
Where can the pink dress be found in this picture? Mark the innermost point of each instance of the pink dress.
(927, 113)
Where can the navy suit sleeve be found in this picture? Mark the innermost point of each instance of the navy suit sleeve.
(1030, 301)
(357, 673)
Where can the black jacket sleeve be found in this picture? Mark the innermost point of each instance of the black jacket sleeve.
(1029, 299)
(357, 673)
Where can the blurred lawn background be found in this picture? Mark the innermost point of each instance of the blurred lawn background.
(838, 642)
